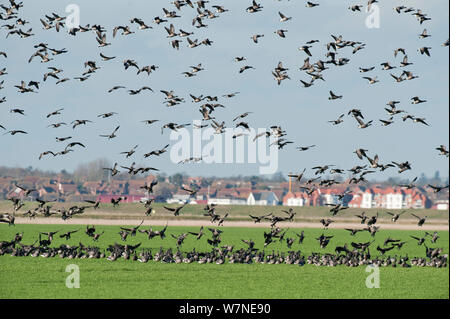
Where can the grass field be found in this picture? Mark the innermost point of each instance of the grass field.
(27, 277)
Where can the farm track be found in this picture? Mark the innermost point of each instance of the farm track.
(433, 225)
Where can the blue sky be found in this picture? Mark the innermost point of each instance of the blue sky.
(302, 112)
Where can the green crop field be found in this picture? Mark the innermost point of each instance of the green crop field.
(28, 277)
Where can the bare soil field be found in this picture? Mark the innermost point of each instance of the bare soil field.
(189, 222)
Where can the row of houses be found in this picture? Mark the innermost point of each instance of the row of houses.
(374, 197)
(225, 193)
(388, 198)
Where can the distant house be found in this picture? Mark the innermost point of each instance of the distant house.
(441, 205)
(178, 198)
(262, 199)
(295, 199)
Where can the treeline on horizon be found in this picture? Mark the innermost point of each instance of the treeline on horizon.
(94, 171)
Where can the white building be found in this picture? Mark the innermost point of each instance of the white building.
(367, 200)
(295, 201)
(263, 199)
(395, 201)
(227, 201)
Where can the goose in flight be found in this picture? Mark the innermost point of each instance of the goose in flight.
(283, 18)
(113, 134)
(417, 100)
(125, 30)
(173, 126)
(387, 66)
(56, 125)
(420, 120)
(353, 232)
(311, 4)
(142, 25)
(334, 96)
(193, 44)
(101, 39)
(402, 166)
(14, 132)
(148, 69)
(364, 70)
(130, 152)
(339, 120)
(424, 34)
(363, 217)
(424, 50)
(405, 62)
(135, 92)
(79, 122)
(420, 241)
(7, 218)
(255, 7)
(304, 148)
(306, 84)
(355, 8)
(372, 80)
(46, 153)
(230, 95)
(443, 150)
(299, 176)
(176, 211)
(281, 33)
(387, 122)
(171, 31)
(255, 37)
(363, 125)
(115, 88)
(437, 189)
(107, 115)
(395, 217)
(409, 75)
(361, 153)
(132, 231)
(106, 58)
(398, 79)
(157, 152)
(246, 67)
(410, 185)
(113, 170)
(305, 48)
(68, 234)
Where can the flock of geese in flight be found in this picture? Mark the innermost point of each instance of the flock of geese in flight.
(203, 13)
